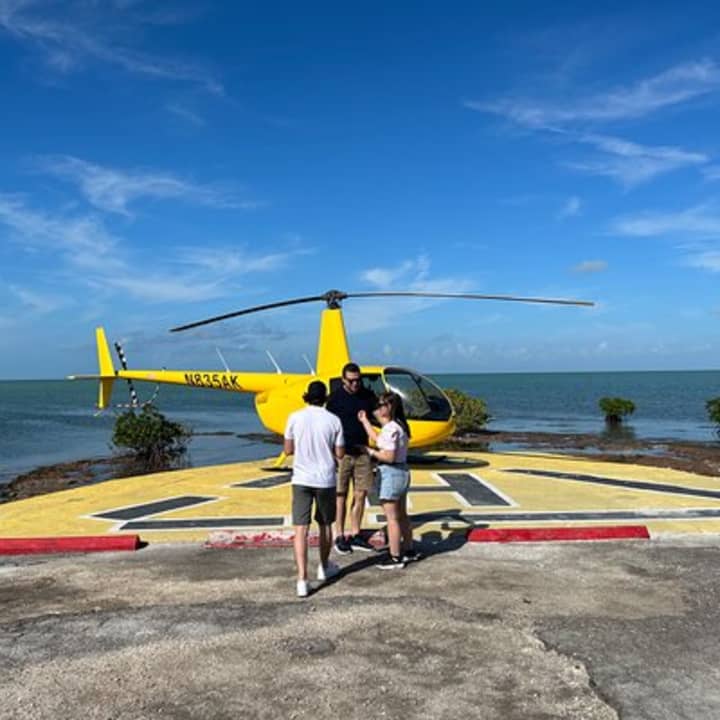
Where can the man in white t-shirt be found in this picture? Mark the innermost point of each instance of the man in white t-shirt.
(315, 437)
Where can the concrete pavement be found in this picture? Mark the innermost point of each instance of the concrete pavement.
(592, 630)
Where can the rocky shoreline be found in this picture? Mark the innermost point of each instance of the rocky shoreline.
(702, 458)
(621, 446)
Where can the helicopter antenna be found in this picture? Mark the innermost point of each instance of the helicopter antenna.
(334, 298)
(134, 402)
(222, 360)
(307, 362)
(272, 360)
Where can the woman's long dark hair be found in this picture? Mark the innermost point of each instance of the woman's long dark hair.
(397, 411)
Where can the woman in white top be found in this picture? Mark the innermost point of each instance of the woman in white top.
(391, 453)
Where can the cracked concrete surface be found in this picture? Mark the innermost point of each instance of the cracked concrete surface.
(595, 631)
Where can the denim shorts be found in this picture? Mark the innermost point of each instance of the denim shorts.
(393, 481)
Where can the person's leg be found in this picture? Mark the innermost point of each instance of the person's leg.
(300, 546)
(357, 510)
(325, 532)
(340, 514)
(363, 480)
(325, 505)
(390, 508)
(406, 531)
(301, 509)
(343, 482)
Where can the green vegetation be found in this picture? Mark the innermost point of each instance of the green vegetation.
(471, 414)
(615, 409)
(713, 411)
(153, 440)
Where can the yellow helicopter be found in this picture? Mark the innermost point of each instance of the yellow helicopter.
(428, 410)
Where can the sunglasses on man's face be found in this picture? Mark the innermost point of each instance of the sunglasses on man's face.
(353, 381)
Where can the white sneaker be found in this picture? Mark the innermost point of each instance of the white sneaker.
(330, 570)
(302, 588)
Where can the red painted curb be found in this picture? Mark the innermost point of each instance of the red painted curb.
(78, 544)
(599, 532)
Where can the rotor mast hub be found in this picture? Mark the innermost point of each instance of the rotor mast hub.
(333, 298)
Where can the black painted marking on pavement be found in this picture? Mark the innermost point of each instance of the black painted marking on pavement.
(679, 514)
(524, 517)
(471, 487)
(153, 508)
(266, 482)
(615, 482)
(190, 523)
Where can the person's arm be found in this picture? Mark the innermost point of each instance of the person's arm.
(386, 456)
(339, 444)
(288, 441)
(369, 429)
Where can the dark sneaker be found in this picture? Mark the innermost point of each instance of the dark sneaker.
(342, 546)
(411, 556)
(358, 542)
(390, 562)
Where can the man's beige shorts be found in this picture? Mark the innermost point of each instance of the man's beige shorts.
(357, 467)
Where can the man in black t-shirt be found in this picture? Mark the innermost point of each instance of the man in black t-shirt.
(346, 402)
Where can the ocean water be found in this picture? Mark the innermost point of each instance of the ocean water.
(49, 421)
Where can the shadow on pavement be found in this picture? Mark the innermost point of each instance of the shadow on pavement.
(428, 544)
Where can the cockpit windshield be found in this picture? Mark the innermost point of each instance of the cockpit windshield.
(422, 399)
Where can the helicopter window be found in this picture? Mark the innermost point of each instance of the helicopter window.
(422, 399)
(373, 382)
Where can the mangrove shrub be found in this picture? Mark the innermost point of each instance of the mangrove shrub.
(471, 414)
(615, 409)
(153, 440)
(713, 411)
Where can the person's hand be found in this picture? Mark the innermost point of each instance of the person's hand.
(362, 416)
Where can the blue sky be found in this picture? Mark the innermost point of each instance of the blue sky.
(164, 162)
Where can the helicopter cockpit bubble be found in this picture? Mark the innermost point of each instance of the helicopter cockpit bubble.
(422, 398)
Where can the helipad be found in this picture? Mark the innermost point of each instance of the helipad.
(457, 490)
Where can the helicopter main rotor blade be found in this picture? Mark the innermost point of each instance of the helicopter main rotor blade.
(247, 311)
(334, 297)
(475, 296)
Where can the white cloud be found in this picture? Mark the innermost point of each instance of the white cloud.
(101, 261)
(113, 190)
(164, 288)
(590, 266)
(712, 172)
(630, 163)
(83, 240)
(671, 87)
(225, 261)
(412, 275)
(35, 301)
(72, 38)
(413, 271)
(696, 221)
(700, 224)
(188, 115)
(571, 208)
(705, 261)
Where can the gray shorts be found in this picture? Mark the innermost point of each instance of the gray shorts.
(302, 502)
